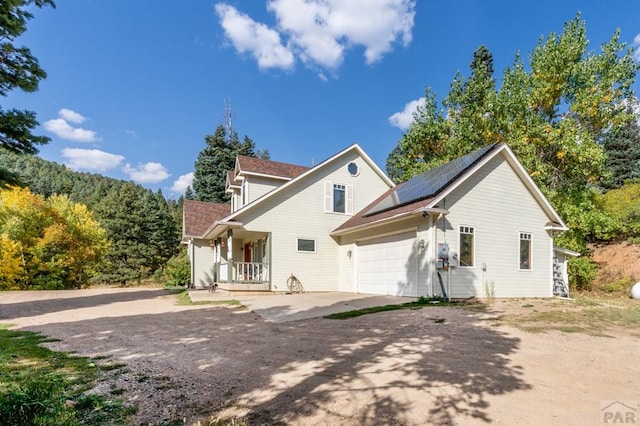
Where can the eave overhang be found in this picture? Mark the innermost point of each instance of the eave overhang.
(219, 227)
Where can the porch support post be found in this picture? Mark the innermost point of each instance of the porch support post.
(268, 256)
(216, 260)
(230, 266)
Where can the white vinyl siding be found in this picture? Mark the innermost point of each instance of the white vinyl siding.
(259, 186)
(202, 258)
(299, 211)
(245, 192)
(499, 206)
(338, 198)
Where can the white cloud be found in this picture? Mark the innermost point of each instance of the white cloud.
(180, 185)
(636, 45)
(90, 159)
(146, 173)
(61, 127)
(320, 31)
(246, 35)
(404, 118)
(71, 116)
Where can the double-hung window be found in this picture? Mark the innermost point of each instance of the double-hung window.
(467, 246)
(525, 251)
(338, 198)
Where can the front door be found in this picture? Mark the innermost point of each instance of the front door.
(247, 252)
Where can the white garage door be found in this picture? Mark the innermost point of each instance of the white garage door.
(388, 265)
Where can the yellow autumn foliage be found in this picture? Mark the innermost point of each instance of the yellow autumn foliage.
(11, 269)
(51, 243)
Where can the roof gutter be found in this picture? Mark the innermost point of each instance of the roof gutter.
(566, 252)
(425, 211)
(421, 211)
(555, 227)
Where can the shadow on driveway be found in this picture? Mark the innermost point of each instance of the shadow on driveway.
(279, 308)
(34, 303)
(431, 365)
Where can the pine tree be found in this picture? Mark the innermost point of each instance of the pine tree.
(188, 194)
(19, 70)
(162, 235)
(622, 146)
(218, 157)
(121, 212)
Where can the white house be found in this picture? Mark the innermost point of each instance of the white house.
(476, 227)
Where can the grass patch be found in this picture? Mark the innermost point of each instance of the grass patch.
(185, 300)
(39, 386)
(583, 315)
(418, 304)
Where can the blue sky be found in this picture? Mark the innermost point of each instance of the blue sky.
(134, 86)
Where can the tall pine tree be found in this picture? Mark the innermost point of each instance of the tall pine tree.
(622, 146)
(123, 214)
(19, 70)
(218, 157)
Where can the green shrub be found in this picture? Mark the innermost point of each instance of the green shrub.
(177, 271)
(623, 285)
(582, 273)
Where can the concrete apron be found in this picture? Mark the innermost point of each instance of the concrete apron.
(291, 307)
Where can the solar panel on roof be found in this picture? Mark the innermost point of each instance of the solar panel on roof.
(429, 183)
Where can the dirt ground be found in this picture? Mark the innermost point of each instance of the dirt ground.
(434, 365)
(615, 261)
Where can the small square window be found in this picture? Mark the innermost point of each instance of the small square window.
(306, 245)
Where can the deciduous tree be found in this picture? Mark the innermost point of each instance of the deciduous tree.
(554, 112)
(50, 244)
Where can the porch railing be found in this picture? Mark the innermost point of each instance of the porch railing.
(251, 272)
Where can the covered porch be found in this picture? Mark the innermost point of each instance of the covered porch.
(242, 260)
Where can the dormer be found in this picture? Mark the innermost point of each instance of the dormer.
(254, 177)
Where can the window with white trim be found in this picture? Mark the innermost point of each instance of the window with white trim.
(467, 246)
(306, 245)
(525, 251)
(338, 198)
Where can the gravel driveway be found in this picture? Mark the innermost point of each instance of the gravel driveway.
(432, 365)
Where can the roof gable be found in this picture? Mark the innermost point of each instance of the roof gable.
(199, 215)
(429, 183)
(315, 169)
(427, 189)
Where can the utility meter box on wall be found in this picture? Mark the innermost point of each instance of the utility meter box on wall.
(443, 251)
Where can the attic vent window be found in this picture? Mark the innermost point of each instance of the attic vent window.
(353, 169)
